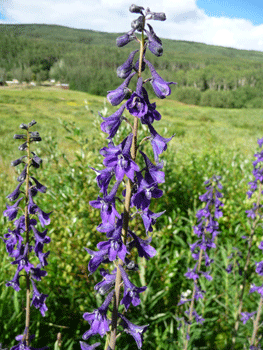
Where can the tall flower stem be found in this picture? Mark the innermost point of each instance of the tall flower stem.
(255, 325)
(126, 217)
(26, 335)
(241, 297)
(192, 301)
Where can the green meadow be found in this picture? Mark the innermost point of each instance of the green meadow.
(208, 141)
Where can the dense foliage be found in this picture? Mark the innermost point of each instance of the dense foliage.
(206, 75)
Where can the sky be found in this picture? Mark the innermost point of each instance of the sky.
(230, 23)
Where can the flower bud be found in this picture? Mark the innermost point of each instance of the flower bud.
(17, 161)
(24, 126)
(37, 138)
(23, 146)
(32, 123)
(158, 16)
(138, 24)
(124, 40)
(136, 9)
(19, 137)
(22, 176)
(34, 134)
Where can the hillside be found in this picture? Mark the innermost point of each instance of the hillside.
(87, 60)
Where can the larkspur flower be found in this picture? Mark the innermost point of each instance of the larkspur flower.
(98, 320)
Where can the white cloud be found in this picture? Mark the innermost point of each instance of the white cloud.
(185, 21)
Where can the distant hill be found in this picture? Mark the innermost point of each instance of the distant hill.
(87, 60)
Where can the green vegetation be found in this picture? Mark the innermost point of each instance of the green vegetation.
(207, 141)
(206, 75)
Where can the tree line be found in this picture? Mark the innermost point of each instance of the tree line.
(86, 60)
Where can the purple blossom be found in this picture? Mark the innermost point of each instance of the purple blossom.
(112, 123)
(107, 283)
(11, 211)
(116, 96)
(125, 39)
(159, 143)
(160, 86)
(38, 299)
(14, 283)
(136, 104)
(135, 331)
(14, 195)
(114, 247)
(98, 319)
(131, 292)
(143, 246)
(120, 159)
(106, 205)
(103, 178)
(154, 43)
(246, 316)
(152, 113)
(125, 69)
(147, 189)
(97, 258)
(85, 346)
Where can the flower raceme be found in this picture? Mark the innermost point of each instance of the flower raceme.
(141, 188)
(24, 213)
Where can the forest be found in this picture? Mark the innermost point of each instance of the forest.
(206, 75)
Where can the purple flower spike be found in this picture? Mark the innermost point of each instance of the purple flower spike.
(135, 331)
(160, 86)
(112, 123)
(131, 292)
(159, 143)
(97, 319)
(125, 69)
(115, 97)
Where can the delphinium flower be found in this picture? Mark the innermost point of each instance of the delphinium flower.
(206, 231)
(255, 214)
(141, 187)
(25, 237)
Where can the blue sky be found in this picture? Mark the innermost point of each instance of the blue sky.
(232, 23)
(249, 9)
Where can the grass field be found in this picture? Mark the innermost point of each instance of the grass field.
(207, 141)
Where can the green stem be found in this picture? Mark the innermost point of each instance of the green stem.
(26, 335)
(192, 302)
